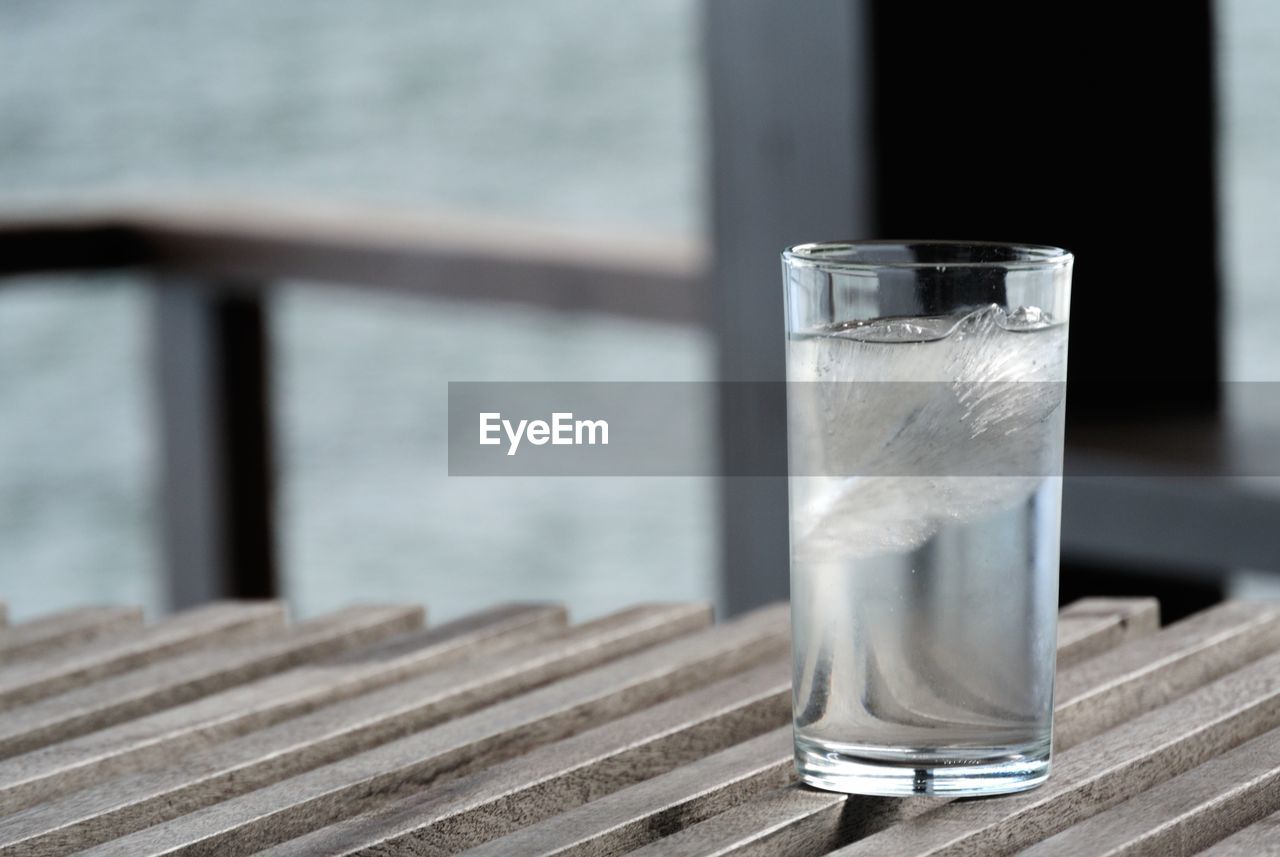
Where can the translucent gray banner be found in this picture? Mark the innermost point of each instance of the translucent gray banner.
(842, 429)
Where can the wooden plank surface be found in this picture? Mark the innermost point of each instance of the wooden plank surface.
(657, 807)
(1089, 698)
(345, 729)
(63, 669)
(644, 732)
(167, 736)
(1099, 773)
(1185, 814)
(67, 628)
(180, 679)
(1256, 840)
(568, 773)
(491, 735)
(1103, 692)
(1091, 626)
(429, 822)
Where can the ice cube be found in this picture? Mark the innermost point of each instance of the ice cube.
(967, 424)
(1027, 318)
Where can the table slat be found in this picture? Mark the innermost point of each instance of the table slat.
(1090, 698)
(349, 727)
(695, 791)
(66, 628)
(1257, 840)
(489, 736)
(64, 669)
(1091, 626)
(658, 807)
(186, 677)
(1155, 669)
(568, 773)
(1099, 773)
(1184, 815)
(223, 732)
(167, 736)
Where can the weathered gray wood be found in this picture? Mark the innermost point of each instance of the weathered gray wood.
(792, 820)
(1103, 692)
(355, 725)
(655, 277)
(180, 679)
(430, 824)
(1090, 698)
(286, 809)
(66, 628)
(610, 737)
(651, 809)
(1091, 626)
(167, 736)
(1099, 773)
(1256, 840)
(1185, 814)
(60, 670)
(557, 777)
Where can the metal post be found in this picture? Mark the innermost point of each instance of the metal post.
(973, 126)
(789, 156)
(211, 353)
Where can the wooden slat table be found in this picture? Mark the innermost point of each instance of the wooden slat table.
(228, 731)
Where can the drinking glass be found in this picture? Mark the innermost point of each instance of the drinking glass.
(925, 404)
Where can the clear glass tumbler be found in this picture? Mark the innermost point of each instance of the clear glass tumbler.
(925, 403)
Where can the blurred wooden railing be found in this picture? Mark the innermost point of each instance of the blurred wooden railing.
(259, 245)
(211, 264)
(1135, 493)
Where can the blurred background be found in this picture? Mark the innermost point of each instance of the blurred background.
(674, 145)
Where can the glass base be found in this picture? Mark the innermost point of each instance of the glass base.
(904, 772)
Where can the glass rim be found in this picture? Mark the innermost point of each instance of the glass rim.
(844, 255)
